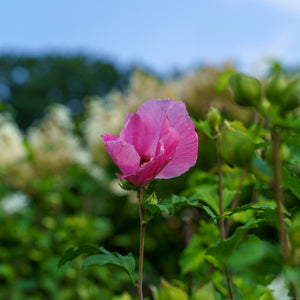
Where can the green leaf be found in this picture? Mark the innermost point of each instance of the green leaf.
(239, 125)
(238, 295)
(224, 249)
(126, 262)
(73, 252)
(193, 256)
(209, 195)
(261, 169)
(124, 296)
(291, 182)
(203, 126)
(288, 123)
(206, 292)
(171, 292)
(249, 253)
(168, 205)
(251, 206)
(267, 296)
(127, 186)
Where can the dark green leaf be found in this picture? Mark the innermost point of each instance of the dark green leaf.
(261, 169)
(291, 182)
(73, 252)
(127, 186)
(168, 205)
(251, 206)
(249, 253)
(238, 295)
(126, 262)
(224, 249)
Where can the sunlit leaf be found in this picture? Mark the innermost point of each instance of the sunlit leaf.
(206, 292)
(171, 292)
(209, 195)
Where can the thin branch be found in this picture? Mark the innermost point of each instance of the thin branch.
(283, 236)
(235, 201)
(221, 220)
(142, 240)
(187, 239)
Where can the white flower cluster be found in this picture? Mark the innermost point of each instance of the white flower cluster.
(53, 143)
(103, 116)
(14, 203)
(11, 143)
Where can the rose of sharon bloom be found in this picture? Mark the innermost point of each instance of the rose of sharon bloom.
(158, 141)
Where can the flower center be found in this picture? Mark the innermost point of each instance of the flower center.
(145, 160)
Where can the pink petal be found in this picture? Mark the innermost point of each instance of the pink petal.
(141, 135)
(143, 129)
(187, 149)
(124, 155)
(108, 137)
(167, 148)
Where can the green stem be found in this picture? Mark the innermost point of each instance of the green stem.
(279, 196)
(187, 239)
(142, 240)
(235, 201)
(283, 236)
(221, 220)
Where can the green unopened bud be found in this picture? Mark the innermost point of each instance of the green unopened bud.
(265, 104)
(246, 90)
(284, 153)
(236, 147)
(214, 118)
(147, 201)
(274, 88)
(291, 95)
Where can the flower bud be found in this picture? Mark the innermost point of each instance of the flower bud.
(284, 153)
(236, 148)
(291, 96)
(274, 88)
(246, 90)
(214, 118)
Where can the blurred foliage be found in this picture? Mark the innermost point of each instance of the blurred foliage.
(30, 84)
(58, 187)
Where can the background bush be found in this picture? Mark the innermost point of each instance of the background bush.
(58, 185)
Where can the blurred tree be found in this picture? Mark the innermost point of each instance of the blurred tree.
(30, 83)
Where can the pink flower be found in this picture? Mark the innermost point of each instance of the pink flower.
(158, 141)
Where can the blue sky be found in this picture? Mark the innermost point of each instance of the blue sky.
(161, 34)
